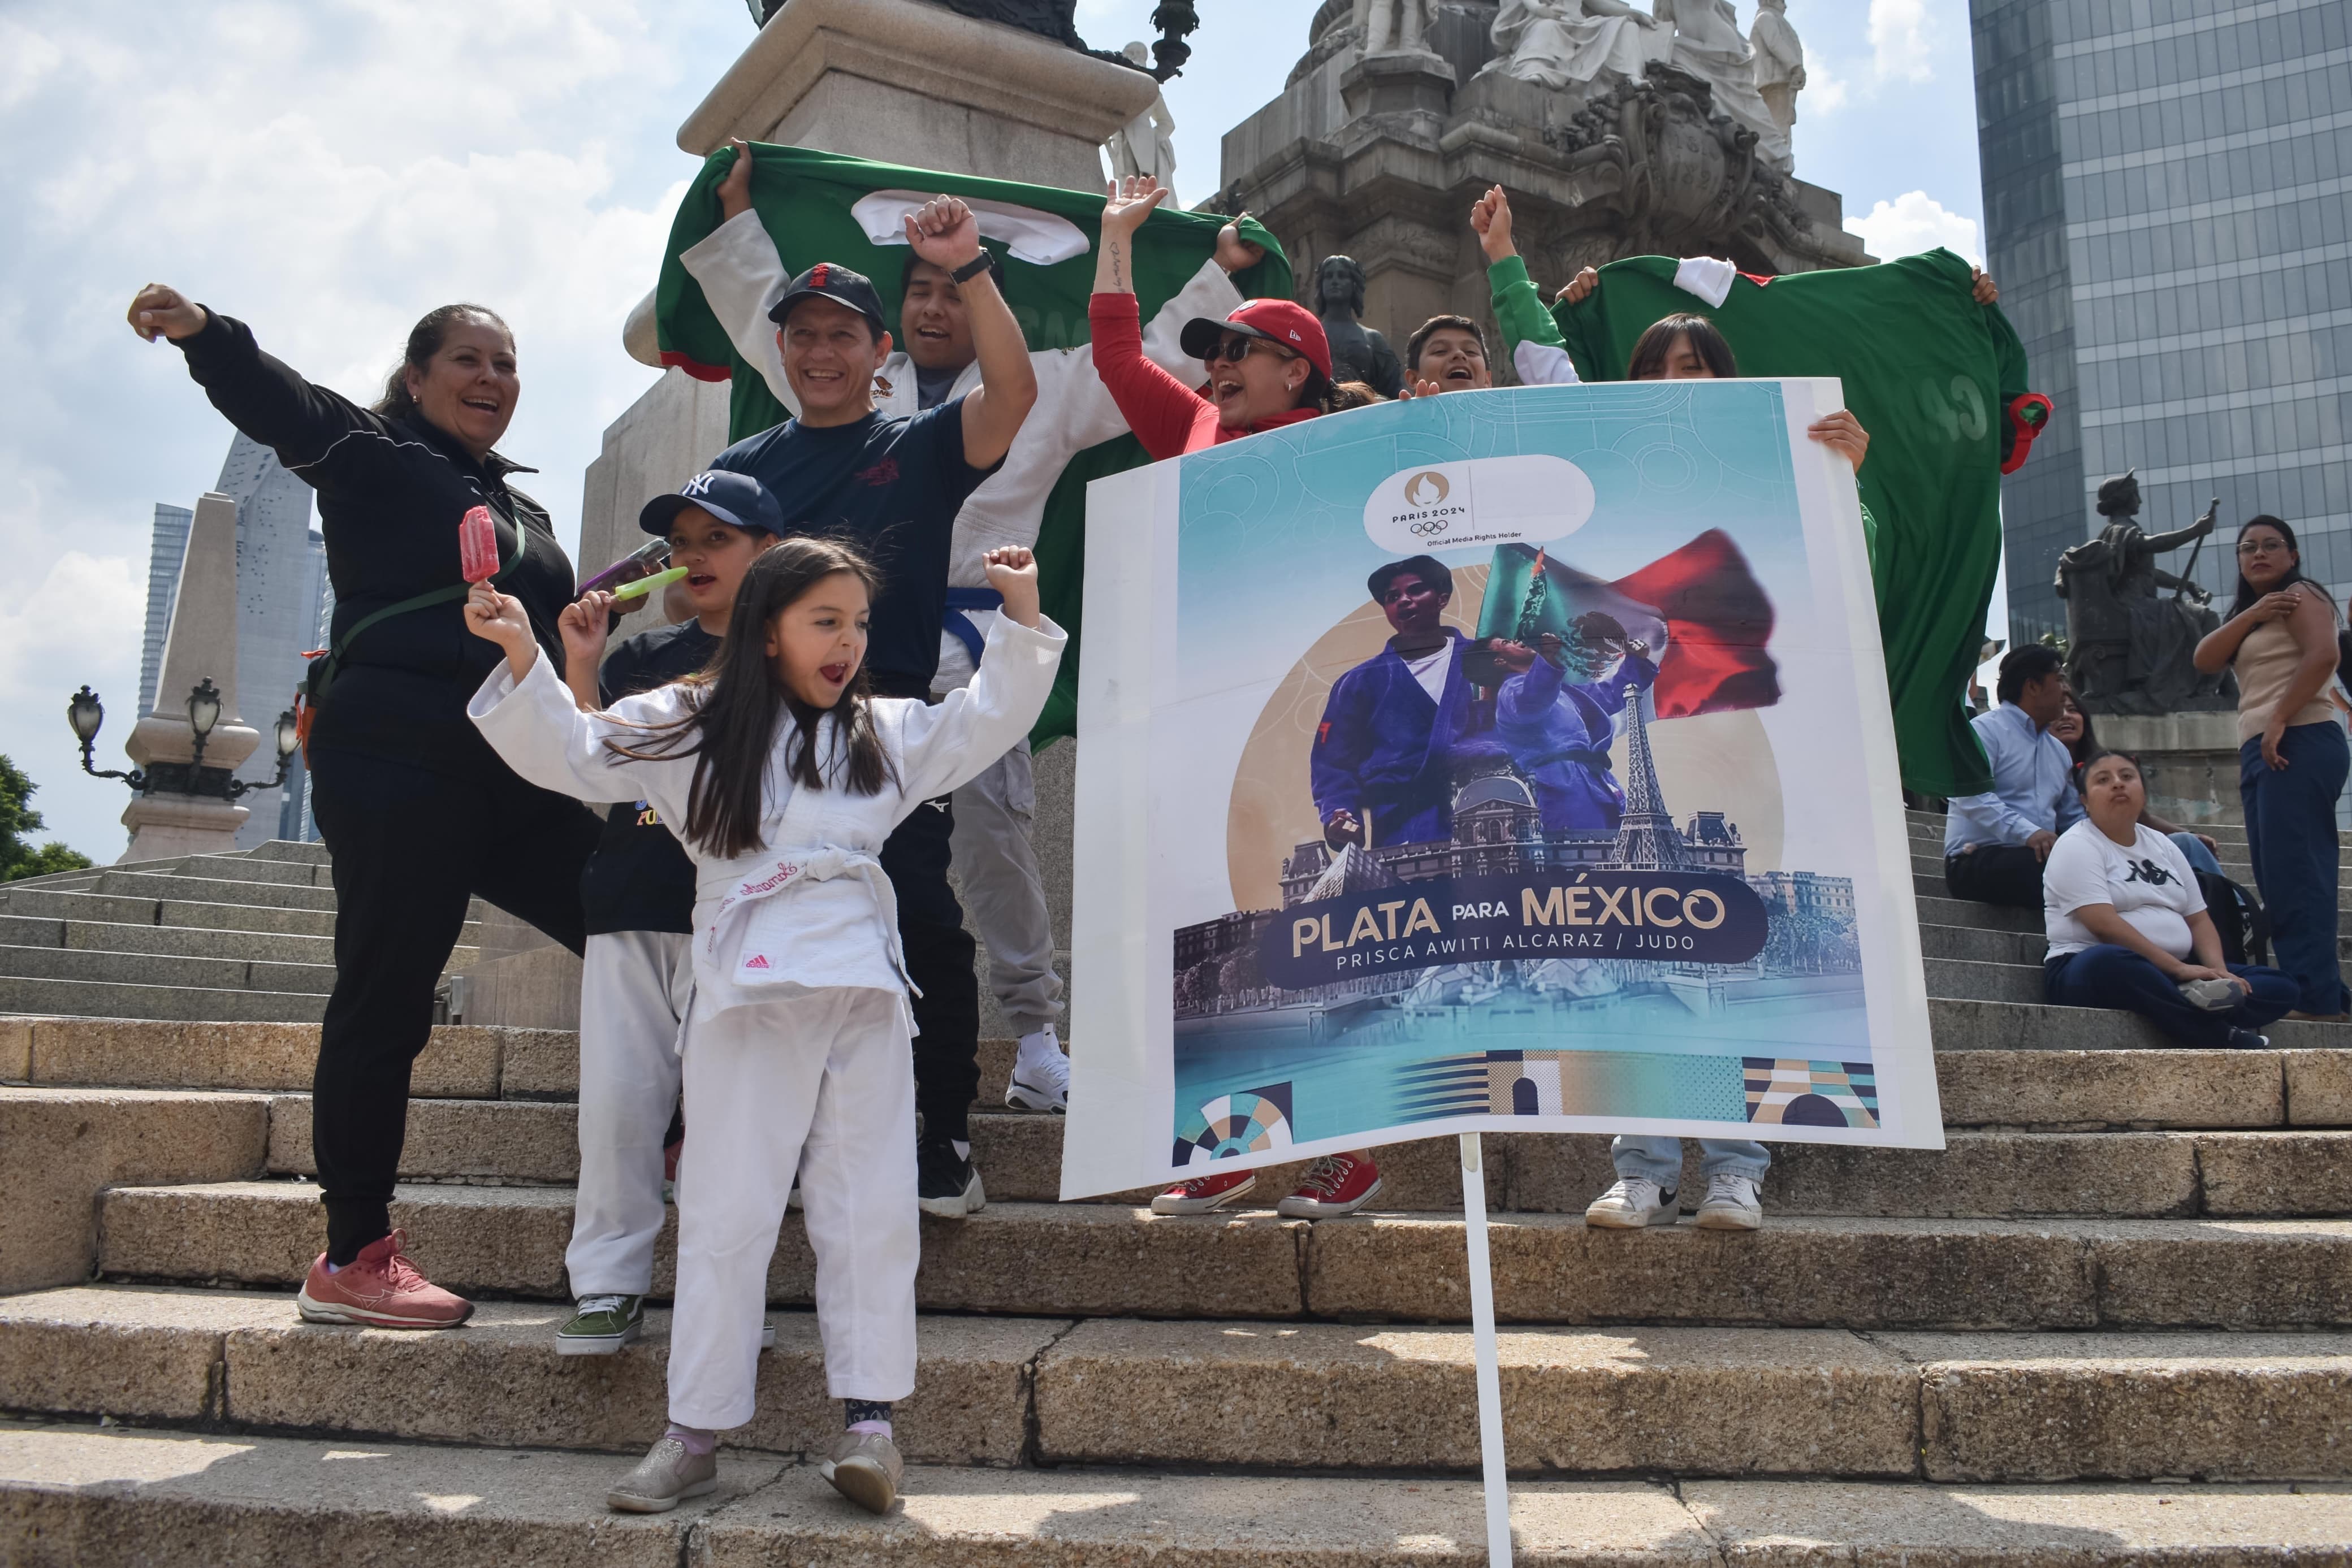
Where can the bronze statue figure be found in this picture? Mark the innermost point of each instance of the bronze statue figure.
(1359, 353)
(2128, 649)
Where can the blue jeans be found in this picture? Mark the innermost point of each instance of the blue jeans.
(2290, 837)
(2200, 858)
(2105, 976)
(1660, 1159)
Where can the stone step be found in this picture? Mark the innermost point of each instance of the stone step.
(1096, 1259)
(1936, 909)
(164, 970)
(1930, 825)
(1931, 864)
(246, 867)
(181, 941)
(2099, 1069)
(998, 1391)
(100, 999)
(124, 910)
(312, 853)
(213, 890)
(1928, 881)
(1986, 1175)
(81, 1495)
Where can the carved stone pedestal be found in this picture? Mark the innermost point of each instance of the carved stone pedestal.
(2190, 760)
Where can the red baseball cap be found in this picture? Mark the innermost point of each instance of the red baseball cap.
(1283, 322)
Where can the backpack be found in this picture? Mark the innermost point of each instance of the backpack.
(2244, 925)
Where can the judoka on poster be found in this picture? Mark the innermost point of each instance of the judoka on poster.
(1500, 760)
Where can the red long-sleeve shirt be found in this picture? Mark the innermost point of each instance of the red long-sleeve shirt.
(1168, 417)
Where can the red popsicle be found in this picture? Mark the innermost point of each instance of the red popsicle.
(477, 546)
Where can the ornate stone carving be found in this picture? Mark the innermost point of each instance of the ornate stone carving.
(2128, 649)
(1780, 61)
(1394, 25)
(1708, 45)
(1571, 44)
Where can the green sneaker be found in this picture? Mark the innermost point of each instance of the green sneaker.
(601, 1325)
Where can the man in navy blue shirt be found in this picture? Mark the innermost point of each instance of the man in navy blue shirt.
(893, 487)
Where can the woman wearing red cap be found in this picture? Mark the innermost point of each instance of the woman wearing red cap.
(1269, 365)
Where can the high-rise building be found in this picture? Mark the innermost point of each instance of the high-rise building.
(281, 577)
(166, 547)
(2165, 207)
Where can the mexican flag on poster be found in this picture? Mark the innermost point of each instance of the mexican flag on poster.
(824, 206)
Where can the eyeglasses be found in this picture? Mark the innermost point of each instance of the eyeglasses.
(2261, 547)
(1235, 347)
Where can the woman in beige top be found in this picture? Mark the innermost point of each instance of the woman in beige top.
(2292, 752)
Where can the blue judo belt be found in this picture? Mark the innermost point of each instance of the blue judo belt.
(959, 625)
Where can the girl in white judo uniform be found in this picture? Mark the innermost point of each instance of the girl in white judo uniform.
(786, 777)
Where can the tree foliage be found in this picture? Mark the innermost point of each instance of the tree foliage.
(18, 821)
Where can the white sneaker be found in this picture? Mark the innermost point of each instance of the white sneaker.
(1732, 1203)
(1041, 1075)
(1631, 1203)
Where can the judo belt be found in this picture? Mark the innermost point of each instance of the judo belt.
(1596, 759)
(960, 626)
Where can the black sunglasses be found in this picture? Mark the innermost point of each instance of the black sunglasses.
(1235, 346)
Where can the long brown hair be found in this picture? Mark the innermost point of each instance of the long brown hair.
(1652, 349)
(425, 341)
(738, 707)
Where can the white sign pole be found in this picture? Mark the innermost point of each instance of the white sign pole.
(1490, 1376)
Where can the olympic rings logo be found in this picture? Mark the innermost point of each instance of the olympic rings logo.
(1429, 527)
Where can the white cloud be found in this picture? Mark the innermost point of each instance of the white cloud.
(1914, 222)
(1903, 41)
(326, 175)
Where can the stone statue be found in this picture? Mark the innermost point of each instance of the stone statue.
(1708, 45)
(1780, 61)
(1392, 24)
(1147, 144)
(1570, 43)
(2128, 650)
(1359, 353)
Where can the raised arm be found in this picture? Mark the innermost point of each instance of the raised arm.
(944, 232)
(962, 737)
(742, 277)
(536, 724)
(1158, 407)
(1539, 353)
(308, 427)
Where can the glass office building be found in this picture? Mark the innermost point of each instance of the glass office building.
(2164, 194)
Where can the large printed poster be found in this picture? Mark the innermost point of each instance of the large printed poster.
(1503, 760)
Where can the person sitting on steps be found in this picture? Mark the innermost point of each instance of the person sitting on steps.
(2128, 928)
(1995, 843)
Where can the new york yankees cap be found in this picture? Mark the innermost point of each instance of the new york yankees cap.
(736, 498)
(831, 280)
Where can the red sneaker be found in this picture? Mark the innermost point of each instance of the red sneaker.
(1202, 1193)
(379, 1290)
(1333, 1185)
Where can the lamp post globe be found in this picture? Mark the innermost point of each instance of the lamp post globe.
(204, 707)
(85, 713)
(290, 735)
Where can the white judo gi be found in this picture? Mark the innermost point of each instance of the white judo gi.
(796, 1044)
(742, 277)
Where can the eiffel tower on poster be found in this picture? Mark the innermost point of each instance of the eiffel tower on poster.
(1647, 838)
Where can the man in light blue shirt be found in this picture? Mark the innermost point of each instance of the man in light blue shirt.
(1994, 843)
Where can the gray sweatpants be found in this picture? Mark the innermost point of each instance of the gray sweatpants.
(996, 867)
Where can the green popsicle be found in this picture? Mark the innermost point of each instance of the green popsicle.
(646, 585)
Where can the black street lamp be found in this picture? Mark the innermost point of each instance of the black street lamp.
(85, 713)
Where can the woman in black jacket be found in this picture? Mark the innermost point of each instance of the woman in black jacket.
(419, 814)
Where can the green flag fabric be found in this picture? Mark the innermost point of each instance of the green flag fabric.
(807, 201)
(1939, 381)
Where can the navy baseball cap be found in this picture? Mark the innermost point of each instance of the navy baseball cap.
(736, 498)
(831, 280)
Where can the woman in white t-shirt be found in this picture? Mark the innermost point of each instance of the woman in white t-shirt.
(2128, 929)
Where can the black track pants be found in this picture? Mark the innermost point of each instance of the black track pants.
(939, 958)
(410, 847)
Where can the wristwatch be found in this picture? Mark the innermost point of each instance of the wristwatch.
(971, 269)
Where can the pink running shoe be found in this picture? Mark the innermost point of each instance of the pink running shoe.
(1333, 1185)
(379, 1290)
(1202, 1193)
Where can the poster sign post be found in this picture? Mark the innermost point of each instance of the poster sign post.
(1508, 761)
(1490, 1374)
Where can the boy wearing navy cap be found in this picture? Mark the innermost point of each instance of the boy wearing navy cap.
(638, 892)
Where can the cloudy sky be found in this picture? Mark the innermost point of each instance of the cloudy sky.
(329, 169)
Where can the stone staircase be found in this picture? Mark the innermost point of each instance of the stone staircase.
(2109, 1324)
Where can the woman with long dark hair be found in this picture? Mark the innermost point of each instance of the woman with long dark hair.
(2282, 635)
(2081, 738)
(418, 813)
(782, 777)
